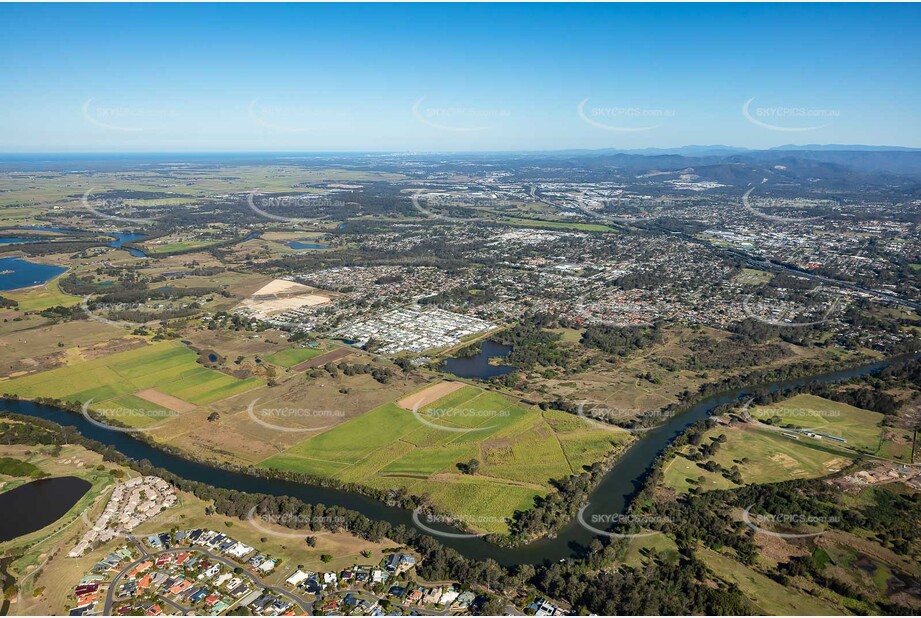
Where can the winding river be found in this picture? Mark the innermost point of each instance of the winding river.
(609, 499)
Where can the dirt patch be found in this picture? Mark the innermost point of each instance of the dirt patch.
(776, 549)
(836, 464)
(429, 395)
(167, 401)
(322, 359)
(112, 347)
(784, 460)
(279, 296)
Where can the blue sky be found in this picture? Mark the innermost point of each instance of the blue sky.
(455, 77)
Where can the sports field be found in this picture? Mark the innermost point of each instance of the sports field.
(519, 450)
(112, 381)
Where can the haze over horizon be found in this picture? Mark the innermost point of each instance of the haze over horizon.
(455, 78)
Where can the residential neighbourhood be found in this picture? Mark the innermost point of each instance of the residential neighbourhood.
(206, 572)
(131, 504)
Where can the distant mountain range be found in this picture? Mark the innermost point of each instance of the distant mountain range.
(720, 149)
(875, 165)
(832, 164)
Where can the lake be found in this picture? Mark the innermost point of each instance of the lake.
(125, 237)
(17, 239)
(23, 273)
(33, 506)
(479, 366)
(301, 244)
(121, 238)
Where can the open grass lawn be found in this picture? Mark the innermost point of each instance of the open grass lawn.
(769, 454)
(861, 428)
(568, 335)
(42, 297)
(763, 456)
(292, 356)
(519, 449)
(180, 245)
(640, 549)
(17, 467)
(110, 381)
(768, 596)
(751, 276)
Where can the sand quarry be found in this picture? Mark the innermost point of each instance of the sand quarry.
(279, 296)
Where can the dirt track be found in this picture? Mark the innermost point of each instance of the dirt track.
(322, 359)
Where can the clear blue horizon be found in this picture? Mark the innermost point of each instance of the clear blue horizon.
(455, 77)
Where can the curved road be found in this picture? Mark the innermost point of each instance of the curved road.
(306, 607)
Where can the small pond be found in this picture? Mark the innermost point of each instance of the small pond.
(33, 506)
(479, 366)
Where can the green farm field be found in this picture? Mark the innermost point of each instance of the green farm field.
(519, 449)
(111, 382)
(292, 356)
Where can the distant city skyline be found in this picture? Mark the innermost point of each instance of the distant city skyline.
(456, 78)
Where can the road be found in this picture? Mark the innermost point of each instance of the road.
(760, 264)
(306, 607)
